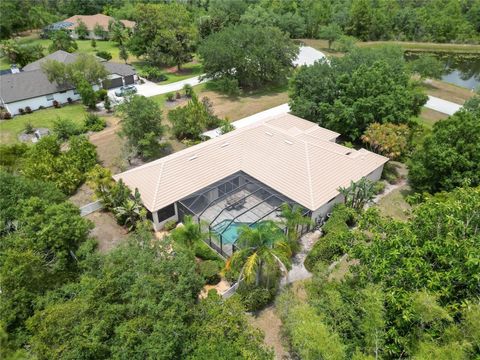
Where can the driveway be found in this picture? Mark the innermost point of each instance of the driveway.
(149, 88)
(443, 106)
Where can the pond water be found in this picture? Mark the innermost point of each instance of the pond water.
(460, 69)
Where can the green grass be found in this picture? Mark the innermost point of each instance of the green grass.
(10, 129)
(423, 46)
(84, 46)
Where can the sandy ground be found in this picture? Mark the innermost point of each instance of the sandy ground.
(108, 233)
(268, 321)
(447, 91)
(83, 196)
(431, 116)
(221, 287)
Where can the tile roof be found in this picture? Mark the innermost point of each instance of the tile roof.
(91, 20)
(278, 152)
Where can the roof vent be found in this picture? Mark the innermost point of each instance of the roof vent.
(268, 133)
(288, 142)
(348, 153)
(192, 158)
(224, 144)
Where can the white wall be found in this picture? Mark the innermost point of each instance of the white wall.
(90, 35)
(159, 225)
(35, 103)
(326, 208)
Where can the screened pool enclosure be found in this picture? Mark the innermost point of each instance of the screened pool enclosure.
(238, 200)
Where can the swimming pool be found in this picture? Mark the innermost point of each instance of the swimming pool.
(230, 235)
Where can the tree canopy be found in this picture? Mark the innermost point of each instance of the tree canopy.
(251, 55)
(350, 93)
(165, 33)
(450, 156)
(142, 125)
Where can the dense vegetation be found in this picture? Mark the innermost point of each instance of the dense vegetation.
(348, 94)
(450, 156)
(430, 20)
(412, 290)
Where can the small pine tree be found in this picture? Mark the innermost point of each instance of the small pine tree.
(123, 53)
(94, 43)
(107, 104)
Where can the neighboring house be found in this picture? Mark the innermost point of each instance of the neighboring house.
(31, 87)
(90, 21)
(244, 176)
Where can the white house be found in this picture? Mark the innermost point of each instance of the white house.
(30, 90)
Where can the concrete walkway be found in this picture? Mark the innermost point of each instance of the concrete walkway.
(443, 106)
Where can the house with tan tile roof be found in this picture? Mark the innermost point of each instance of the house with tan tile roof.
(245, 176)
(90, 21)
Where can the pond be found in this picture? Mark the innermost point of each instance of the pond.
(460, 69)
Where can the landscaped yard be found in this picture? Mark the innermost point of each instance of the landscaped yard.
(10, 129)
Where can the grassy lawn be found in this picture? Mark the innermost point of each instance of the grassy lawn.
(446, 91)
(394, 204)
(428, 117)
(322, 45)
(10, 129)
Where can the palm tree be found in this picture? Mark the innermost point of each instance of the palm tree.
(130, 211)
(293, 219)
(261, 250)
(188, 234)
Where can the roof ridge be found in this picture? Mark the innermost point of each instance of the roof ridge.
(309, 176)
(157, 186)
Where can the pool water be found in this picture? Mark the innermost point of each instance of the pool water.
(230, 235)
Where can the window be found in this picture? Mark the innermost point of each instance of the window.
(166, 212)
(50, 97)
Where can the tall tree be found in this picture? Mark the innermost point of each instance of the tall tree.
(348, 94)
(254, 57)
(61, 40)
(450, 156)
(165, 33)
(142, 125)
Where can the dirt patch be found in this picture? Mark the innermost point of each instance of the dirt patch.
(107, 232)
(109, 145)
(221, 287)
(83, 196)
(430, 116)
(235, 108)
(268, 321)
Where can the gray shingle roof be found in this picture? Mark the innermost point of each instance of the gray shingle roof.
(26, 85)
(32, 82)
(59, 55)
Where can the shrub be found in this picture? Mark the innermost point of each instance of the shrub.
(41, 107)
(226, 126)
(152, 73)
(170, 97)
(70, 100)
(65, 128)
(204, 252)
(104, 55)
(101, 94)
(228, 86)
(170, 225)
(188, 89)
(29, 129)
(56, 104)
(7, 115)
(94, 122)
(255, 298)
(379, 187)
(21, 111)
(209, 270)
(178, 95)
(337, 237)
(107, 104)
(390, 173)
(28, 110)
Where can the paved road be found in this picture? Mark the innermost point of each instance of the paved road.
(443, 106)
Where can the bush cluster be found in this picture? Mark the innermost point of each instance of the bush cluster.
(209, 270)
(336, 239)
(93, 122)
